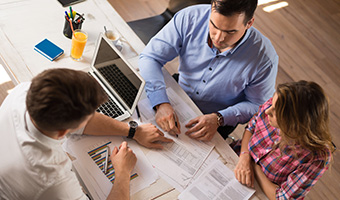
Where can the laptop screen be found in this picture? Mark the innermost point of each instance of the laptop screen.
(116, 73)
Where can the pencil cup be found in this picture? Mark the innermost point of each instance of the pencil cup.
(67, 28)
(79, 39)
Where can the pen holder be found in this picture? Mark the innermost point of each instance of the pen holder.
(76, 25)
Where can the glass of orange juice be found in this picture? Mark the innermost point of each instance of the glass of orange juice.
(79, 39)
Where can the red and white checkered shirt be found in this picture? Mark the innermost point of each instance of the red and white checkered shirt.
(295, 171)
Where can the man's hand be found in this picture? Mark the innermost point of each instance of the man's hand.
(149, 136)
(244, 170)
(123, 160)
(165, 118)
(202, 127)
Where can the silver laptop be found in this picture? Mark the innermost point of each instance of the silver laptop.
(118, 78)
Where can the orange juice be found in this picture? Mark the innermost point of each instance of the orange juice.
(79, 39)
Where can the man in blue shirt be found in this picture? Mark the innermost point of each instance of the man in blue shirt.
(227, 67)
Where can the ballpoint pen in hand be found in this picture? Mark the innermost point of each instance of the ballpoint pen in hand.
(175, 118)
(106, 159)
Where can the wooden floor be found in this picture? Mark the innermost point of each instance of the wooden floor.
(306, 36)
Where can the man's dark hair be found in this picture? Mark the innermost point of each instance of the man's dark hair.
(231, 7)
(60, 99)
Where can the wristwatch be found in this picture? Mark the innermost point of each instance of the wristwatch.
(133, 127)
(219, 119)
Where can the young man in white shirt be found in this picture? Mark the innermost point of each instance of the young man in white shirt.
(34, 120)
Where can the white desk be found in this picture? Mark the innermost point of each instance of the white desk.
(24, 23)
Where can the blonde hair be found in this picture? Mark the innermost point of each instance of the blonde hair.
(302, 113)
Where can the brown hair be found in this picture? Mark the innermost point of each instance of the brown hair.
(60, 99)
(231, 7)
(302, 113)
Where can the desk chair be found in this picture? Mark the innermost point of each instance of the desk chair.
(148, 27)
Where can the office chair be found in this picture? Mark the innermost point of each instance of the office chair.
(148, 27)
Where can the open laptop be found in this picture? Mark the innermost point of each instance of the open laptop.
(118, 78)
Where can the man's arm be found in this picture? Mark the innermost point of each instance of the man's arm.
(164, 47)
(146, 134)
(123, 160)
(256, 93)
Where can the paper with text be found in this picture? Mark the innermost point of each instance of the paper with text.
(217, 182)
(181, 159)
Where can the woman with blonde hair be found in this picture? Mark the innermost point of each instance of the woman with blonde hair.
(287, 145)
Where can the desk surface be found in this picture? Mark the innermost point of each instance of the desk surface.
(40, 19)
(26, 23)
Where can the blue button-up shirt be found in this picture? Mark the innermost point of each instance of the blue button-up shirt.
(234, 83)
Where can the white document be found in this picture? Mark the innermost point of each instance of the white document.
(213, 156)
(217, 182)
(90, 153)
(181, 159)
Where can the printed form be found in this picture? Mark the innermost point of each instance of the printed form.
(217, 182)
(181, 159)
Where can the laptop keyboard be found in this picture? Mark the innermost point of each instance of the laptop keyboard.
(126, 90)
(109, 108)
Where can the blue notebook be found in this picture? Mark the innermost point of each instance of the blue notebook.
(48, 49)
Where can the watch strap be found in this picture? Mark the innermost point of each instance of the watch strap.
(133, 127)
(132, 132)
(219, 119)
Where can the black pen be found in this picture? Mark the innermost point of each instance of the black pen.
(138, 114)
(175, 118)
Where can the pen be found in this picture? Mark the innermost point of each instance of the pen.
(106, 159)
(71, 13)
(175, 118)
(138, 114)
(67, 17)
(80, 16)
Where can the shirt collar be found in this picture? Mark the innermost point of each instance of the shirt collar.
(245, 37)
(39, 136)
(231, 51)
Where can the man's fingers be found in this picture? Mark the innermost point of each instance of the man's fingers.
(160, 132)
(114, 151)
(193, 129)
(164, 139)
(191, 123)
(155, 146)
(196, 134)
(123, 145)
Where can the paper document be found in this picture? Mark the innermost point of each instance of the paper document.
(181, 159)
(217, 182)
(99, 176)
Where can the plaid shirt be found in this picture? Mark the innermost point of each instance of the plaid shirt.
(295, 171)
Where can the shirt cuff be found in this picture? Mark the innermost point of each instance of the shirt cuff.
(158, 97)
(230, 117)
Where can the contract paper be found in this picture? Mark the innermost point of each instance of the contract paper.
(181, 159)
(217, 182)
(91, 153)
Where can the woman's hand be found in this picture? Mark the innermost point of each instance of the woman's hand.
(244, 170)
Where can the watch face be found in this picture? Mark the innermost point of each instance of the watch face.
(133, 124)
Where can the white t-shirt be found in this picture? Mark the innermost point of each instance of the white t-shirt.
(32, 165)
